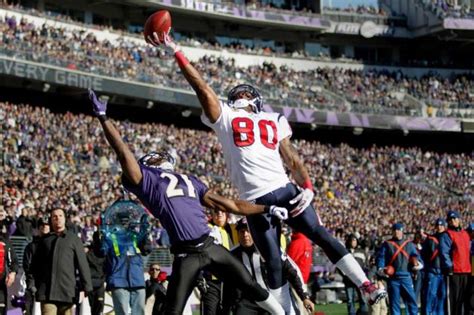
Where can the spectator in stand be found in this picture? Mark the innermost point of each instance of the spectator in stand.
(57, 260)
(352, 293)
(395, 260)
(96, 261)
(25, 223)
(156, 286)
(28, 254)
(434, 287)
(455, 251)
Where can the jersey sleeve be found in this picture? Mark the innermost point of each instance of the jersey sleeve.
(143, 188)
(224, 113)
(284, 128)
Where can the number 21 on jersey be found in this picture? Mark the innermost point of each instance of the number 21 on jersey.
(173, 190)
(244, 134)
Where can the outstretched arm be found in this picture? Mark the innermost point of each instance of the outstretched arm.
(241, 207)
(127, 160)
(207, 97)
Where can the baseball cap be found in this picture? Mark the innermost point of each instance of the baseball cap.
(241, 224)
(398, 226)
(453, 215)
(440, 221)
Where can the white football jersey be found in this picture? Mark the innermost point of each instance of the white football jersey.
(251, 145)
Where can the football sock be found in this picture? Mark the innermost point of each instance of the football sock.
(351, 268)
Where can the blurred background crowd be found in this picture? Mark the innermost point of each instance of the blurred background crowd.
(52, 158)
(334, 89)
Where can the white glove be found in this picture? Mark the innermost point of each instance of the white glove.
(304, 199)
(279, 212)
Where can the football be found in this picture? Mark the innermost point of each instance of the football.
(389, 270)
(159, 22)
(413, 261)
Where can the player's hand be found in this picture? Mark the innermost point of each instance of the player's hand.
(167, 41)
(381, 273)
(308, 305)
(302, 201)
(279, 212)
(99, 107)
(10, 279)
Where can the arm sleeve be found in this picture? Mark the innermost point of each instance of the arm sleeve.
(82, 265)
(380, 260)
(445, 244)
(224, 112)
(284, 128)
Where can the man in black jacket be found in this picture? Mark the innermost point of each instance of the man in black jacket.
(248, 254)
(43, 228)
(59, 255)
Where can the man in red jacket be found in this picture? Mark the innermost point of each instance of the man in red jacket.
(301, 251)
(455, 246)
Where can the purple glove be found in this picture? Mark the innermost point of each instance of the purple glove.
(99, 107)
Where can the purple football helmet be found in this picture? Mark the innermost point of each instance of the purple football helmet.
(162, 159)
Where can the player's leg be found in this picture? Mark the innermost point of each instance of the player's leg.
(266, 231)
(225, 266)
(182, 280)
(311, 226)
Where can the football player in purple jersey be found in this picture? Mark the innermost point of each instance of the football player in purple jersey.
(256, 146)
(177, 200)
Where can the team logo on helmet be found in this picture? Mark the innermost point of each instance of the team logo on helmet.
(161, 159)
(256, 102)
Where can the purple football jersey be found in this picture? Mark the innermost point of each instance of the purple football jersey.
(175, 199)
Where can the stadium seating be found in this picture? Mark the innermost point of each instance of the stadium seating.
(63, 158)
(373, 92)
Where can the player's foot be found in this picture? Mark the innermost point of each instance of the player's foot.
(371, 293)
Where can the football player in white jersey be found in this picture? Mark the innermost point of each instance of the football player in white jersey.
(255, 146)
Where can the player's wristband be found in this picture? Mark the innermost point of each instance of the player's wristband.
(102, 118)
(181, 59)
(308, 185)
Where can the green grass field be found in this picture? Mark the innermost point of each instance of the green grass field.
(331, 309)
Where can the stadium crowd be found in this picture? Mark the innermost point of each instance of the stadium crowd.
(450, 8)
(60, 158)
(365, 91)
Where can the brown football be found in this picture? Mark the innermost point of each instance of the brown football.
(159, 22)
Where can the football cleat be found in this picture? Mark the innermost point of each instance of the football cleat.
(371, 294)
